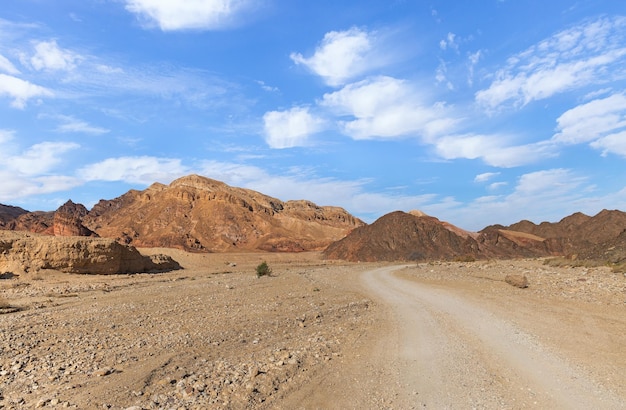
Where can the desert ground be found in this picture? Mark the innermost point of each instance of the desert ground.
(315, 334)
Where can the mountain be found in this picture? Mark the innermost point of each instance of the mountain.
(195, 213)
(405, 236)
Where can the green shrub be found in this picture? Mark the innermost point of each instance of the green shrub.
(263, 270)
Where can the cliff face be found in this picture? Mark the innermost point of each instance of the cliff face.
(25, 252)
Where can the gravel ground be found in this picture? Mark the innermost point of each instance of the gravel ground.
(313, 335)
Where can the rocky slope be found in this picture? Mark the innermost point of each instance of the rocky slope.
(9, 214)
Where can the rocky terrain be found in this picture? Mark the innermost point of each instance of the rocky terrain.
(312, 335)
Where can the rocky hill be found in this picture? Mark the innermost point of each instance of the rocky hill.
(405, 236)
(195, 213)
(416, 236)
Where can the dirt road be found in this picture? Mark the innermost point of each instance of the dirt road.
(450, 352)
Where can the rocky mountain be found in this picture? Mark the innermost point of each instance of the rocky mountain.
(195, 213)
(405, 236)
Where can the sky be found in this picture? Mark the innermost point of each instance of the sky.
(477, 113)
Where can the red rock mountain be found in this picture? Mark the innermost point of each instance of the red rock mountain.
(200, 214)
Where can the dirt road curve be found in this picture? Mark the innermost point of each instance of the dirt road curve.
(450, 352)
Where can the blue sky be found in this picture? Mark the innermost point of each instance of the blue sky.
(481, 112)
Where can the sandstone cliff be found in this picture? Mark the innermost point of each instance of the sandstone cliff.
(27, 252)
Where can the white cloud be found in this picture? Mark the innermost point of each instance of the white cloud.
(589, 121)
(7, 66)
(6, 136)
(71, 124)
(614, 143)
(21, 91)
(590, 53)
(494, 150)
(15, 186)
(343, 55)
(497, 185)
(189, 14)
(39, 159)
(385, 107)
(291, 128)
(485, 176)
(450, 42)
(50, 57)
(136, 170)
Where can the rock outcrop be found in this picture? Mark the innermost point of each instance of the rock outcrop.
(21, 252)
(68, 220)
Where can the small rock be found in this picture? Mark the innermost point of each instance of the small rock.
(519, 281)
(103, 372)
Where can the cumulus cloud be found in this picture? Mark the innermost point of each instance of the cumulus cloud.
(50, 57)
(590, 121)
(600, 122)
(589, 53)
(135, 170)
(291, 128)
(20, 91)
(343, 55)
(188, 15)
(385, 107)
